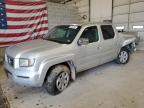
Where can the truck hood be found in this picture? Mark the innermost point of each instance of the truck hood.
(32, 48)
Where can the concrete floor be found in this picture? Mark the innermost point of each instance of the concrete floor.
(140, 46)
(107, 86)
(3, 100)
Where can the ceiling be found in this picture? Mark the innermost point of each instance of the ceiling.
(60, 1)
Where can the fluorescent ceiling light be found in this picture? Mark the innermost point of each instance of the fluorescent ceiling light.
(138, 27)
(120, 27)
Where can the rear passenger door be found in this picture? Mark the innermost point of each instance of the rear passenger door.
(109, 44)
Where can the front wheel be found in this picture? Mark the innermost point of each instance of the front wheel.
(123, 57)
(58, 79)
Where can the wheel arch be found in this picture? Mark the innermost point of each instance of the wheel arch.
(128, 48)
(69, 64)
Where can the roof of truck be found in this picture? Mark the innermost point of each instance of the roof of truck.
(92, 23)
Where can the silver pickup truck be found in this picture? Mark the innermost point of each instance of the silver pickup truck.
(67, 50)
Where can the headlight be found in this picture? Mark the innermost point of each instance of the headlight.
(6, 57)
(26, 62)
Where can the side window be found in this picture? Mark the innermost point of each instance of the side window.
(107, 31)
(91, 33)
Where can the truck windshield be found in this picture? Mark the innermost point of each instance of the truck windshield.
(63, 34)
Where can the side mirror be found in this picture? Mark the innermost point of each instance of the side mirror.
(83, 41)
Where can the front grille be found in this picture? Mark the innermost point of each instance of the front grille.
(10, 60)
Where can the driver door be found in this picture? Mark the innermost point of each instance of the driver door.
(90, 52)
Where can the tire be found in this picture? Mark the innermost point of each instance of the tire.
(123, 56)
(58, 80)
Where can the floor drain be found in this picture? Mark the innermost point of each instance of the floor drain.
(3, 100)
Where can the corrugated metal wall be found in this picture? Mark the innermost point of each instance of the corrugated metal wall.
(130, 13)
(94, 10)
(59, 14)
(100, 10)
(83, 9)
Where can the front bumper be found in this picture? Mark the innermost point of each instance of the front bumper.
(26, 77)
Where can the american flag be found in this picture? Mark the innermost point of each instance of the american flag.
(22, 21)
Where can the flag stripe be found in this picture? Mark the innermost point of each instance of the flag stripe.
(22, 15)
(26, 11)
(13, 42)
(27, 26)
(16, 42)
(24, 7)
(24, 3)
(15, 23)
(27, 18)
(25, 37)
(22, 34)
(14, 31)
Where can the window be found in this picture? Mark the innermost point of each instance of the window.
(120, 27)
(138, 27)
(64, 34)
(91, 33)
(107, 31)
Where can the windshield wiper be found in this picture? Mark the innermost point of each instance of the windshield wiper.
(55, 41)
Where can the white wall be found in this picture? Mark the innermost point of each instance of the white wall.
(59, 14)
(101, 10)
(121, 13)
(83, 8)
(129, 13)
